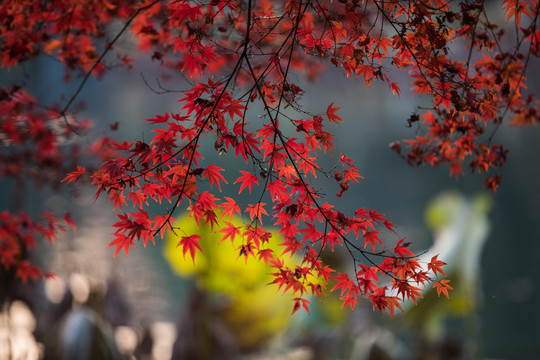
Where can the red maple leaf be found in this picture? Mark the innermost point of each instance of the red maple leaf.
(26, 270)
(442, 286)
(371, 238)
(117, 198)
(435, 265)
(266, 255)
(191, 244)
(401, 250)
(352, 175)
(230, 231)
(74, 175)
(247, 180)
(344, 283)
(138, 197)
(298, 302)
(69, 220)
(393, 302)
(350, 300)
(183, 11)
(214, 177)
(368, 272)
(193, 64)
(229, 208)
(121, 241)
(331, 113)
(256, 210)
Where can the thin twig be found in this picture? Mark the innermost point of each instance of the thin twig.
(98, 61)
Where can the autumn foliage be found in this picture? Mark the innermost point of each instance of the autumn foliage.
(239, 58)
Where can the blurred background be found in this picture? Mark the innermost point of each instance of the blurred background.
(155, 305)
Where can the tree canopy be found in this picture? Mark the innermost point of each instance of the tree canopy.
(241, 61)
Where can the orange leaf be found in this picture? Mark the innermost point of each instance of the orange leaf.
(442, 286)
(256, 211)
(435, 266)
(331, 113)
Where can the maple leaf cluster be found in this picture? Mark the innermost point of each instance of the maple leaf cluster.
(239, 56)
(35, 152)
(37, 140)
(32, 140)
(19, 234)
(470, 96)
(68, 31)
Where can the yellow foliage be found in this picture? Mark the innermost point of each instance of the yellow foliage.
(252, 309)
